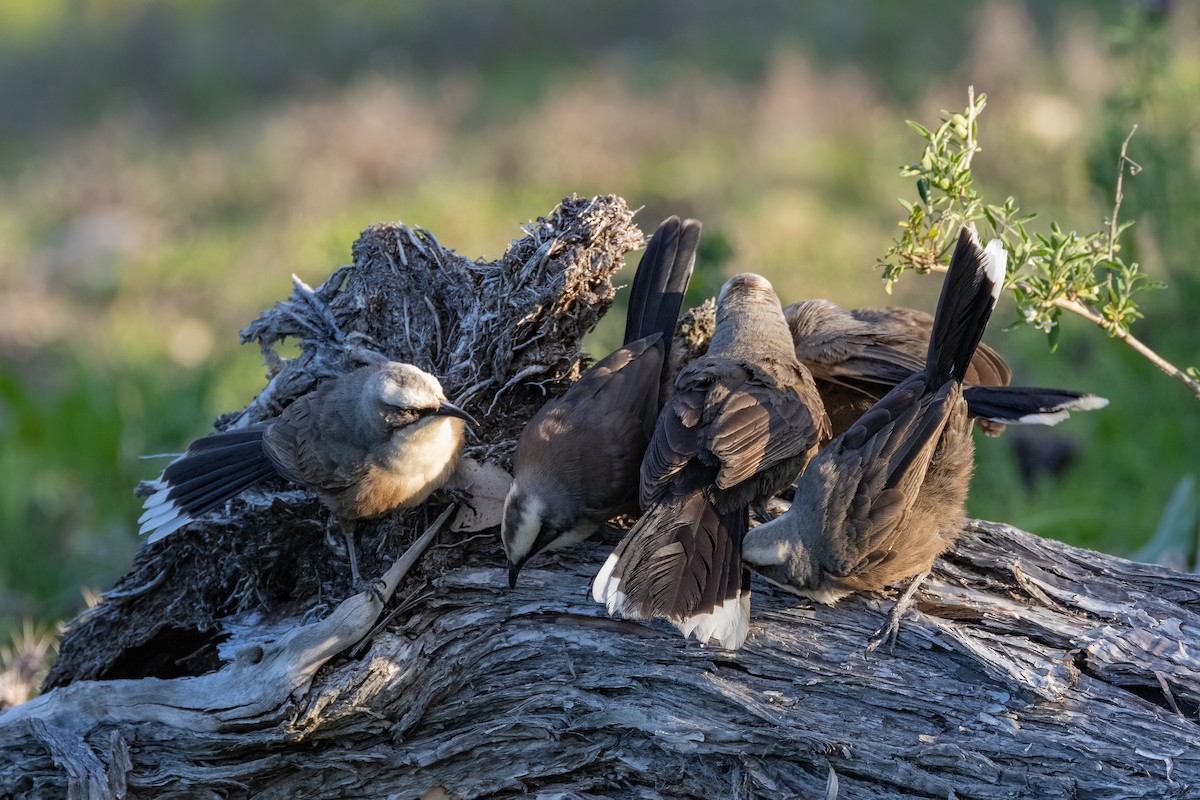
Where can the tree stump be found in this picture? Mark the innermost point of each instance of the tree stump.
(234, 659)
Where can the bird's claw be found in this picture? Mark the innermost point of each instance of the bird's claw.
(890, 631)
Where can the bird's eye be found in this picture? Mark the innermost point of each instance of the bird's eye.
(400, 417)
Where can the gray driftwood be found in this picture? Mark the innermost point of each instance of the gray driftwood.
(233, 661)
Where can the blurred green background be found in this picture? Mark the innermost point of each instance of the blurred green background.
(166, 166)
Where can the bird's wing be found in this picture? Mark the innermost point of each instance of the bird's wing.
(596, 433)
(736, 419)
(857, 360)
(678, 435)
(908, 329)
(866, 480)
(318, 441)
(763, 421)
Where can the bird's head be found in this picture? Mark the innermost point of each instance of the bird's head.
(747, 286)
(750, 318)
(406, 395)
(531, 525)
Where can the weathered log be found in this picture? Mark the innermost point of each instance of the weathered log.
(1032, 669)
(215, 669)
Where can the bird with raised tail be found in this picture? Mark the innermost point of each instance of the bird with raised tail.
(742, 422)
(885, 498)
(376, 439)
(577, 460)
(857, 356)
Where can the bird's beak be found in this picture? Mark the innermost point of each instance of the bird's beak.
(514, 570)
(451, 410)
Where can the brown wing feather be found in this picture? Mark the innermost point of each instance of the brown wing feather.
(736, 420)
(908, 329)
(676, 439)
(761, 425)
(313, 441)
(599, 429)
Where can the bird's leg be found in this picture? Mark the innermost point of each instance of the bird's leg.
(346, 528)
(891, 631)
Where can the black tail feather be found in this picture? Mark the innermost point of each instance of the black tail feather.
(1027, 405)
(682, 562)
(661, 280)
(968, 296)
(214, 469)
(205, 493)
(212, 462)
(227, 439)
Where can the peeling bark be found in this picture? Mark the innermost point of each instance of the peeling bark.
(1031, 669)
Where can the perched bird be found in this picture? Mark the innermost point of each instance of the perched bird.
(857, 356)
(577, 461)
(885, 498)
(743, 420)
(372, 440)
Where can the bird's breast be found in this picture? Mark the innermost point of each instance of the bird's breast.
(415, 461)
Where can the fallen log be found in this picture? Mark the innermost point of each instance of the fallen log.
(234, 660)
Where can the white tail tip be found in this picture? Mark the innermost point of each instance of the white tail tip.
(728, 624)
(1089, 402)
(160, 515)
(996, 265)
(1049, 418)
(605, 586)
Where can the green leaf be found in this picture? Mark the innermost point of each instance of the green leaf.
(1052, 337)
(919, 128)
(923, 190)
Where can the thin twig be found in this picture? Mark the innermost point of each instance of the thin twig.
(437, 325)
(528, 372)
(407, 604)
(305, 292)
(403, 565)
(1154, 358)
(470, 392)
(1075, 307)
(408, 328)
(1119, 195)
(463, 542)
(400, 250)
(972, 114)
(137, 591)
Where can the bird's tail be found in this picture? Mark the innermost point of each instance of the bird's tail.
(1026, 405)
(662, 279)
(969, 294)
(213, 470)
(682, 562)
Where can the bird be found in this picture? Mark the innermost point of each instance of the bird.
(577, 461)
(380, 437)
(884, 498)
(856, 356)
(742, 422)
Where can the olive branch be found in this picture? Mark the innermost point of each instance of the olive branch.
(1058, 271)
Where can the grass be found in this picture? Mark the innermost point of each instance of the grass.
(165, 199)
